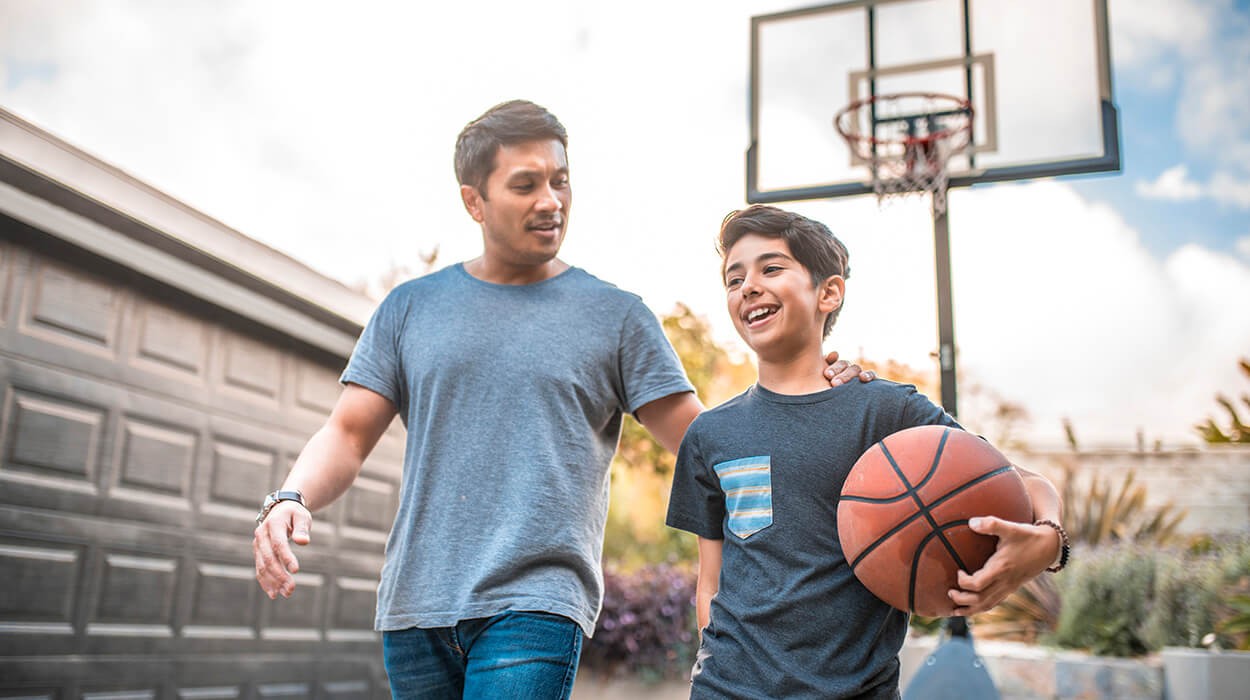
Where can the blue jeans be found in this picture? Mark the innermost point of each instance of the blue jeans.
(513, 655)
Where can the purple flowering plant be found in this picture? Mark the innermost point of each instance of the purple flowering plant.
(647, 627)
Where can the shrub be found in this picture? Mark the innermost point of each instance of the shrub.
(1128, 600)
(647, 627)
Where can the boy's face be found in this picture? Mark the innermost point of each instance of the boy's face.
(772, 301)
(524, 208)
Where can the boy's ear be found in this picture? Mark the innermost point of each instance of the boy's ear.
(831, 292)
(472, 202)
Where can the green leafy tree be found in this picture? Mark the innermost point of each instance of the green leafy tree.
(1237, 431)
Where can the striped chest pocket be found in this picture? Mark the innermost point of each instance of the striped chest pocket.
(748, 487)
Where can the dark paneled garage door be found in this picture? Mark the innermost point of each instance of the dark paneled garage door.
(138, 430)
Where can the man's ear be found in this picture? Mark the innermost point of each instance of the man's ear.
(831, 292)
(472, 202)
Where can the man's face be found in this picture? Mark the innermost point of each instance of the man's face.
(771, 299)
(525, 206)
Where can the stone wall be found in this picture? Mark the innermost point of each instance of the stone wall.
(1212, 484)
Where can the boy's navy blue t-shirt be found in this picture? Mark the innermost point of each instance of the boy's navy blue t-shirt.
(763, 472)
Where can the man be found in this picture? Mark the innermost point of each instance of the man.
(492, 571)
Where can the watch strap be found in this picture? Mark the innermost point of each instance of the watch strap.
(276, 497)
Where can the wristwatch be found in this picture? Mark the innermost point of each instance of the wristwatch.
(277, 497)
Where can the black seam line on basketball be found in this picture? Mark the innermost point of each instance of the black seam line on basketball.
(915, 563)
(924, 507)
(907, 521)
(894, 499)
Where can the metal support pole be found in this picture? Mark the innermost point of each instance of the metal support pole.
(946, 310)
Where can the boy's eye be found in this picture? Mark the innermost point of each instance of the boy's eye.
(733, 282)
(772, 268)
(561, 182)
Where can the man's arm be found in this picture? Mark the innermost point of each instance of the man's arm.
(1023, 552)
(668, 418)
(709, 580)
(326, 467)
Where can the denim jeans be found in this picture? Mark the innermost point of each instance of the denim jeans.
(512, 655)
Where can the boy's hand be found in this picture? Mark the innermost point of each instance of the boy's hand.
(1023, 552)
(275, 562)
(840, 371)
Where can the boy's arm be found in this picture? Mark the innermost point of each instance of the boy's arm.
(326, 467)
(1023, 550)
(709, 580)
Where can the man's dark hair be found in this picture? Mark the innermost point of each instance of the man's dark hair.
(505, 124)
(811, 243)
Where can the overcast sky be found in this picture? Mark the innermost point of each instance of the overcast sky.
(326, 131)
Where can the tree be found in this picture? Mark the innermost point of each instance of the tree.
(1238, 432)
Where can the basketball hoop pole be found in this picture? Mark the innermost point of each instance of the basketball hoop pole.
(946, 311)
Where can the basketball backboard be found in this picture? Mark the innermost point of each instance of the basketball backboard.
(1036, 73)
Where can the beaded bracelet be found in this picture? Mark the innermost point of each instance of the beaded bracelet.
(1065, 547)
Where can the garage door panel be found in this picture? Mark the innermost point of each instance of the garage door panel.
(7, 274)
(316, 388)
(42, 580)
(53, 436)
(171, 342)
(224, 601)
(65, 306)
(250, 370)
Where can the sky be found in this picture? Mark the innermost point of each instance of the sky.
(326, 131)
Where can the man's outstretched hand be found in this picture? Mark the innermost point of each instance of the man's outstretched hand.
(840, 371)
(275, 562)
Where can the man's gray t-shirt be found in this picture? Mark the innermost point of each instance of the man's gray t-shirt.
(513, 397)
(764, 472)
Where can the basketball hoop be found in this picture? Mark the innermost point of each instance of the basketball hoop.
(907, 140)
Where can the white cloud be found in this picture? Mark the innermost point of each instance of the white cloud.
(1205, 43)
(1243, 247)
(1228, 189)
(1172, 184)
(343, 158)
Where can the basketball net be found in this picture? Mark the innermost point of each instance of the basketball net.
(907, 141)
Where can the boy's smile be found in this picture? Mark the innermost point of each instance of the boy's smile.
(774, 305)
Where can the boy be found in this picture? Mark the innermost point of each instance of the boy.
(758, 480)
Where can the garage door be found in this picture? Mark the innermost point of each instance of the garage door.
(139, 428)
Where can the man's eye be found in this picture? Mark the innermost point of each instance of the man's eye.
(734, 282)
(561, 183)
(772, 268)
(523, 187)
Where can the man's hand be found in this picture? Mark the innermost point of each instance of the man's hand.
(1023, 552)
(840, 371)
(275, 562)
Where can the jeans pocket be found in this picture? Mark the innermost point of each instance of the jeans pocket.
(748, 487)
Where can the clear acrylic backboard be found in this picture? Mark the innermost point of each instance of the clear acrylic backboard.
(1036, 73)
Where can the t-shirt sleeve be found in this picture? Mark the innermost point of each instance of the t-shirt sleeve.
(919, 410)
(375, 362)
(649, 366)
(696, 503)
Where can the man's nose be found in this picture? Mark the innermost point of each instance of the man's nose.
(548, 200)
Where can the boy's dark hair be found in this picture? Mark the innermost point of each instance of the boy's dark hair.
(811, 242)
(505, 124)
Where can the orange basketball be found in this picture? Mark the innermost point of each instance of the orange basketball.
(903, 515)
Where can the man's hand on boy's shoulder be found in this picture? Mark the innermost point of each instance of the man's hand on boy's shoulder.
(840, 371)
(1023, 552)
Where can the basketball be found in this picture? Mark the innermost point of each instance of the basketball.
(904, 510)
